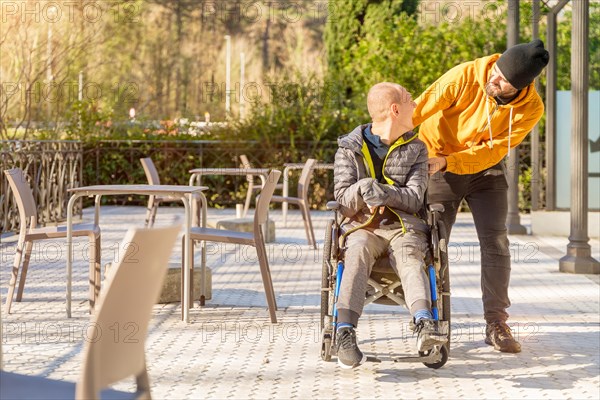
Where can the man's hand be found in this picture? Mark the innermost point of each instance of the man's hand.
(365, 185)
(373, 209)
(436, 164)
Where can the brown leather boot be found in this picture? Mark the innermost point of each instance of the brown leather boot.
(499, 335)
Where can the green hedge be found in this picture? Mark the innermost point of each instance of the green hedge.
(118, 162)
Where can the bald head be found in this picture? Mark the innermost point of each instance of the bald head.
(380, 98)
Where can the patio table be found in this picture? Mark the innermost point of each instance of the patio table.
(184, 193)
(286, 182)
(197, 173)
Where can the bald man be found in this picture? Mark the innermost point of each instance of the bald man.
(380, 181)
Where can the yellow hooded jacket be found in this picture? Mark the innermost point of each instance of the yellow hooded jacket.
(460, 122)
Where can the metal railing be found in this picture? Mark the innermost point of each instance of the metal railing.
(53, 167)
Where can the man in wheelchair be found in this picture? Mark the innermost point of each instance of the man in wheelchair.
(380, 182)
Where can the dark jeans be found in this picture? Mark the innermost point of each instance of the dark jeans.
(486, 194)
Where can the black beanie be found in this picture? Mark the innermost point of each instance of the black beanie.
(522, 63)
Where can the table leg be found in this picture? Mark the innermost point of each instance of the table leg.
(196, 179)
(97, 274)
(204, 206)
(286, 189)
(70, 250)
(97, 209)
(187, 262)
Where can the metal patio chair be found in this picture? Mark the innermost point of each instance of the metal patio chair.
(302, 199)
(255, 238)
(252, 187)
(30, 232)
(153, 201)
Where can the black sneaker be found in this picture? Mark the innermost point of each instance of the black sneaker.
(349, 356)
(429, 335)
(499, 335)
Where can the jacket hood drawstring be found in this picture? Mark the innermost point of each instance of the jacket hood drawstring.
(509, 130)
(489, 121)
(489, 124)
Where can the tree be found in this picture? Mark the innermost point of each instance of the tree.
(403, 50)
(564, 49)
(347, 27)
(38, 63)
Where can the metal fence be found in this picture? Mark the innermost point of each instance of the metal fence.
(51, 166)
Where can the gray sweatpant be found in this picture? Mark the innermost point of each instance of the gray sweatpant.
(406, 253)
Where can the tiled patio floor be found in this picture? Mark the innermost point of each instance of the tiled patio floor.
(230, 350)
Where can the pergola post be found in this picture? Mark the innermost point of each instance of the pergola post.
(551, 105)
(535, 134)
(513, 220)
(579, 254)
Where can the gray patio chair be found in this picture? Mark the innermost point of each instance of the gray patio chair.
(30, 232)
(302, 199)
(153, 201)
(252, 187)
(254, 238)
(132, 287)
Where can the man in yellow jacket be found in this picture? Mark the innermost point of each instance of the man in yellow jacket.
(470, 118)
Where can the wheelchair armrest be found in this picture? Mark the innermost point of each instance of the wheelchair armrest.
(436, 207)
(333, 205)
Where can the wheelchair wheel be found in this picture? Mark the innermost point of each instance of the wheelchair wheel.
(445, 280)
(326, 272)
(329, 257)
(443, 360)
(326, 342)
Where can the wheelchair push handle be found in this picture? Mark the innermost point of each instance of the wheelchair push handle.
(333, 205)
(436, 207)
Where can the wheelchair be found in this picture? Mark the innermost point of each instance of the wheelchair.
(384, 286)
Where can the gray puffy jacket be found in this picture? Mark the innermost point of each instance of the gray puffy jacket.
(405, 171)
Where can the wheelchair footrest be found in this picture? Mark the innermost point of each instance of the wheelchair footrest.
(434, 356)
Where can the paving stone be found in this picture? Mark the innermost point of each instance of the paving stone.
(231, 350)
